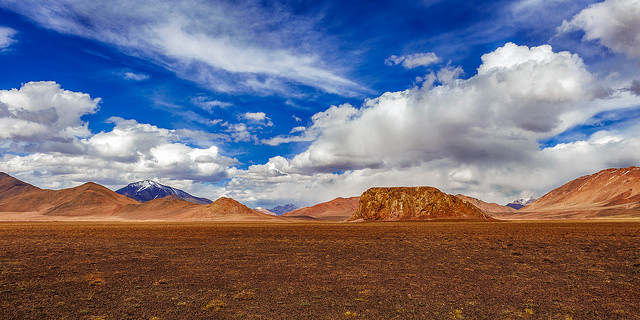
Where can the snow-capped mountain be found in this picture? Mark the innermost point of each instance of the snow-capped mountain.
(520, 203)
(146, 190)
(283, 209)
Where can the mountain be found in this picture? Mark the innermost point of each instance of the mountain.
(169, 208)
(265, 211)
(19, 196)
(521, 203)
(413, 203)
(279, 210)
(87, 200)
(226, 209)
(489, 208)
(10, 186)
(146, 190)
(608, 193)
(338, 209)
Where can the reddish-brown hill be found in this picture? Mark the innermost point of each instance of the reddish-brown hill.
(225, 209)
(413, 203)
(89, 199)
(167, 208)
(338, 209)
(19, 196)
(11, 187)
(487, 207)
(608, 193)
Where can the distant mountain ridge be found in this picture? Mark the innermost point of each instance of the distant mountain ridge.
(278, 210)
(148, 190)
(521, 203)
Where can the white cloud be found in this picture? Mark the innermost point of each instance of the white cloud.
(298, 129)
(208, 104)
(6, 37)
(135, 76)
(255, 116)
(229, 47)
(413, 60)
(259, 118)
(615, 23)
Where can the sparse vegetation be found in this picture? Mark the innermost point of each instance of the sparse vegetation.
(367, 271)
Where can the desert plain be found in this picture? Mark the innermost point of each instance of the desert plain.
(392, 270)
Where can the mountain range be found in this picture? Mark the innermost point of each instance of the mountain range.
(610, 193)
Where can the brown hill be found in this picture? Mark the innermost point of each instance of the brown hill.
(413, 203)
(167, 208)
(89, 199)
(608, 193)
(226, 209)
(338, 209)
(19, 196)
(11, 187)
(488, 207)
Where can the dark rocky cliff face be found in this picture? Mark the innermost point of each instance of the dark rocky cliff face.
(413, 203)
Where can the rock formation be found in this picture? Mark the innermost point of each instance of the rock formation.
(413, 203)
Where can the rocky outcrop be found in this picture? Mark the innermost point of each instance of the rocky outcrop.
(413, 203)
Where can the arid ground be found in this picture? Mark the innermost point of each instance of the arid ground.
(432, 270)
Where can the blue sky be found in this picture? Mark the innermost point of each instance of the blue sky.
(300, 102)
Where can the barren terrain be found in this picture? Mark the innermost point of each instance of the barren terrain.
(431, 270)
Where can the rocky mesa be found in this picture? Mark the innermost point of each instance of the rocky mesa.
(413, 203)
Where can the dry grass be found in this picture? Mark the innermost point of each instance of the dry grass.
(433, 270)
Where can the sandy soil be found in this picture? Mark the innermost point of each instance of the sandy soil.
(419, 270)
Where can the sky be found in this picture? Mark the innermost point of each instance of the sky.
(275, 102)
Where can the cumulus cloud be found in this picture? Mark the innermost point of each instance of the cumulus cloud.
(226, 46)
(6, 37)
(41, 112)
(413, 60)
(477, 136)
(614, 23)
